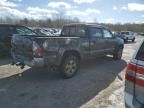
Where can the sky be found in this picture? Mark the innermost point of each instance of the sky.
(101, 11)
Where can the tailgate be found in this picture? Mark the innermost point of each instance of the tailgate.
(22, 45)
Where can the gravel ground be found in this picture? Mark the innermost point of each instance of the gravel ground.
(99, 84)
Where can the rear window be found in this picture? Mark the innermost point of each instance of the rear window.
(140, 54)
(74, 31)
(65, 31)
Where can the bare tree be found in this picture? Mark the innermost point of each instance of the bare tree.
(58, 20)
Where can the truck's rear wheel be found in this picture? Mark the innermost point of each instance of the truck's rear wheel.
(118, 54)
(126, 40)
(69, 66)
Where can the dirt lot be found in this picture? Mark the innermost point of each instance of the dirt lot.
(99, 84)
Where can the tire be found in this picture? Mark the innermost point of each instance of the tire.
(133, 39)
(118, 54)
(127, 39)
(69, 66)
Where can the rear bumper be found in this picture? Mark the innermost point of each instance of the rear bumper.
(36, 62)
(32, 62)
(129, 100)
(128, 38)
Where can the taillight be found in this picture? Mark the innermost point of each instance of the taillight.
(37, 51)
(130, 72)
(135, 74)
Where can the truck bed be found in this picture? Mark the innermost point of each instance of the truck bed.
(22, 46)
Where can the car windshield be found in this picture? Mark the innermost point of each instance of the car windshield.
(140, 54)
(24, 31)
(125, 33)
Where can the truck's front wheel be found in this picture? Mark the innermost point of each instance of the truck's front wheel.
(69, 66)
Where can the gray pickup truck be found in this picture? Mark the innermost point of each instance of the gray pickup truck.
(76, 42)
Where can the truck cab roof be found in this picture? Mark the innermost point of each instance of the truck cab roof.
(86, 24)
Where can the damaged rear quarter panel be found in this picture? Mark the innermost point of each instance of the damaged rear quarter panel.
(55, 47)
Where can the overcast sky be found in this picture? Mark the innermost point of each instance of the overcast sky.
(106, 11)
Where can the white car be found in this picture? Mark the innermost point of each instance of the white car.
(134, 80)
(128, 35)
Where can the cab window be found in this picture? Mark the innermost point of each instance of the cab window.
(96, 32)
(65, 31)
(107, 34)
(80, 31)
(73, 31)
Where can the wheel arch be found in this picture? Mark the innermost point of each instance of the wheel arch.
(71, 52)
(121, 46)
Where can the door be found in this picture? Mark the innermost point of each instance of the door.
(81, 38)
(22, 42)
(96, 41)
(139, 77)
(109, 41)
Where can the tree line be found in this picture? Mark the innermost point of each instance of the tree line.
(51, 23)
(59, 22)
(126, 27)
